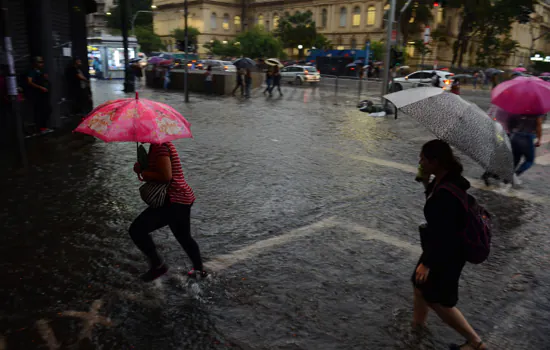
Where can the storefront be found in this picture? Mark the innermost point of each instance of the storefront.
(110, 52)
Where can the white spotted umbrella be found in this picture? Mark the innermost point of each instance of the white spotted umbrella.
(462, 124)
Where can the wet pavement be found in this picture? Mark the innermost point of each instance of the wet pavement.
(306, 213)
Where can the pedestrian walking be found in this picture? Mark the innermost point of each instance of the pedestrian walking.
(276, 81)
(435, 79)
(208, 80)
(97, 68)
(438, 271)
(164, 167)
(39, 93)
(455, 87)
(240, 83)
(167, 79)
(494, 81)
(523, 133)
(268, 80)
(474, 80)
(247, 82)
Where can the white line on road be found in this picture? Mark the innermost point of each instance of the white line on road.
(372, 234)
(412, 169)
(222, 262)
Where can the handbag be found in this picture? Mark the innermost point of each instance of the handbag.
(154, 194)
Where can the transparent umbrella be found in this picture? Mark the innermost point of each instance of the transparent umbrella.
(463, 125)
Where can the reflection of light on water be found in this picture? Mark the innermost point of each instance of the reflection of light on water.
(47, 334)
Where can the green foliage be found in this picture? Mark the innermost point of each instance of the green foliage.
(494, 51)
(420, 10)
(229, 49)
(297, 29)
(421, 48)
(257, 43)
(541, 66)
(143, 19)
(148, 40)
(377, 48)
(321, 42)
(192, 35)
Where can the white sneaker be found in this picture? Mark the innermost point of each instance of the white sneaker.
(516, 181)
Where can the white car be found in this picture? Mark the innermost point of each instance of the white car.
(423, 78)
(300, 74)
(229, 67)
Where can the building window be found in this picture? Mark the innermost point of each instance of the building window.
(275, 21)
(356, 19)
(225, 24)
(324, 17)
(343, 15)
(371, 15)
(439, 15)
(261, 20)
(353, 44)
(213, 19)
(237, 21)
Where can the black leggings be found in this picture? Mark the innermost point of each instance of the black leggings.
(178, 218)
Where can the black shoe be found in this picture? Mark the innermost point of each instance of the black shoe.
(154, 273)
(194, 273)
(485, 177)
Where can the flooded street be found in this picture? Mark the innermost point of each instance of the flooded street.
(306, 213)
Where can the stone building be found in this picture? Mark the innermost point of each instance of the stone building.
(97, 21)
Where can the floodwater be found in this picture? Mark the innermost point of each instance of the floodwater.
(306, 214)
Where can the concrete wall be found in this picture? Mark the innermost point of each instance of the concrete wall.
(223, 84)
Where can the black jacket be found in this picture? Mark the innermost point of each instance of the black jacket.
(446, 219)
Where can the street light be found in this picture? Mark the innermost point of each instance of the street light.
(153, 7)
(300, 47)
(108, 13)
(135, 16)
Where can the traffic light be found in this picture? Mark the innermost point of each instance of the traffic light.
(396, 58)
(436, 3)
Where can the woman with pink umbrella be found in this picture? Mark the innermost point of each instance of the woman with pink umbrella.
(527, 100)
(165, 190)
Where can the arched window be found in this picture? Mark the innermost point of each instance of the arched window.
(213, 20)
(260, 21)
(225, 24)
(343, 16)
(353, 43)
(371, 15)
(356, 19)
(237, 21)
(276, 19)
(324, 18)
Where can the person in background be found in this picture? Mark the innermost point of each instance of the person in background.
(247, 82)
(208, 80)
(167, 80)
(523, 132)
(455, 87)
(494, 81)
(78, 86)
(437, 273)
(268, 80)
(240, 83)
(435, 79)
(97, 68)
(474, 80)
(39, 92)
(276, 81)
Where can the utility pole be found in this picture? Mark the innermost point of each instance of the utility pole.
(403, 9)
(391, 18)
(11, 85)
(186, 75)
(124, 10)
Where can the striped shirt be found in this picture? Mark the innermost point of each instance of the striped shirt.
(179, 191)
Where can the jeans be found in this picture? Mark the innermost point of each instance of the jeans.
(523, 145)
(268, 82)
(178, 218)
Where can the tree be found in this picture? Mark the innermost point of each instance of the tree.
(321, 42)
(494, 51)
(299, 29)
(413, 19)
(229, 49)
(257, 43)
(377, 48)
(192, 35)
(144, 19)
(148, 40)
(422, 49)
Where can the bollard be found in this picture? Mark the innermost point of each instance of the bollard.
(336, 91)
(360, 82)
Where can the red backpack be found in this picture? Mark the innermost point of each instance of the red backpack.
(477, 234)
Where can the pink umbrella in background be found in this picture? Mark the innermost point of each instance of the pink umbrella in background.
(135, 120)
(522, 95)
(545, 74)
(520, 69)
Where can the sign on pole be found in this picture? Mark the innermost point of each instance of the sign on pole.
(427, 33)
(394, 36)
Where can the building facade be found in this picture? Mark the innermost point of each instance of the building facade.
(348, 24)
(97, 21)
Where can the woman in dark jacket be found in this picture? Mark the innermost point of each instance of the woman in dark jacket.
(438, 271)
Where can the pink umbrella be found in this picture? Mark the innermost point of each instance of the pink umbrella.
(522, 95)
(520, 69)
(135, 120)
(545, 74)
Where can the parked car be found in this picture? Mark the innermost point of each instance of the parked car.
(422, 78)
(300, 74)
(229, 67)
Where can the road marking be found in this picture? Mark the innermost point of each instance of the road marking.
(543, 160)
(513, 193)
(225, 261)
(372, 234)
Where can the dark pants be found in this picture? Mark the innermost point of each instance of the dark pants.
(239, 85)
(178, 218)
(276, 83)
(523, 145)
(208, 87)
(42, 110)
(268, 82)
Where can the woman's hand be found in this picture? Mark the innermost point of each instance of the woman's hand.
(137, 168)
(422, 273)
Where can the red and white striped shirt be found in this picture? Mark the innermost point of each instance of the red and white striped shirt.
(179, 191)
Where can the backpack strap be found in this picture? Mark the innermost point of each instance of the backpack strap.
(459, 193)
